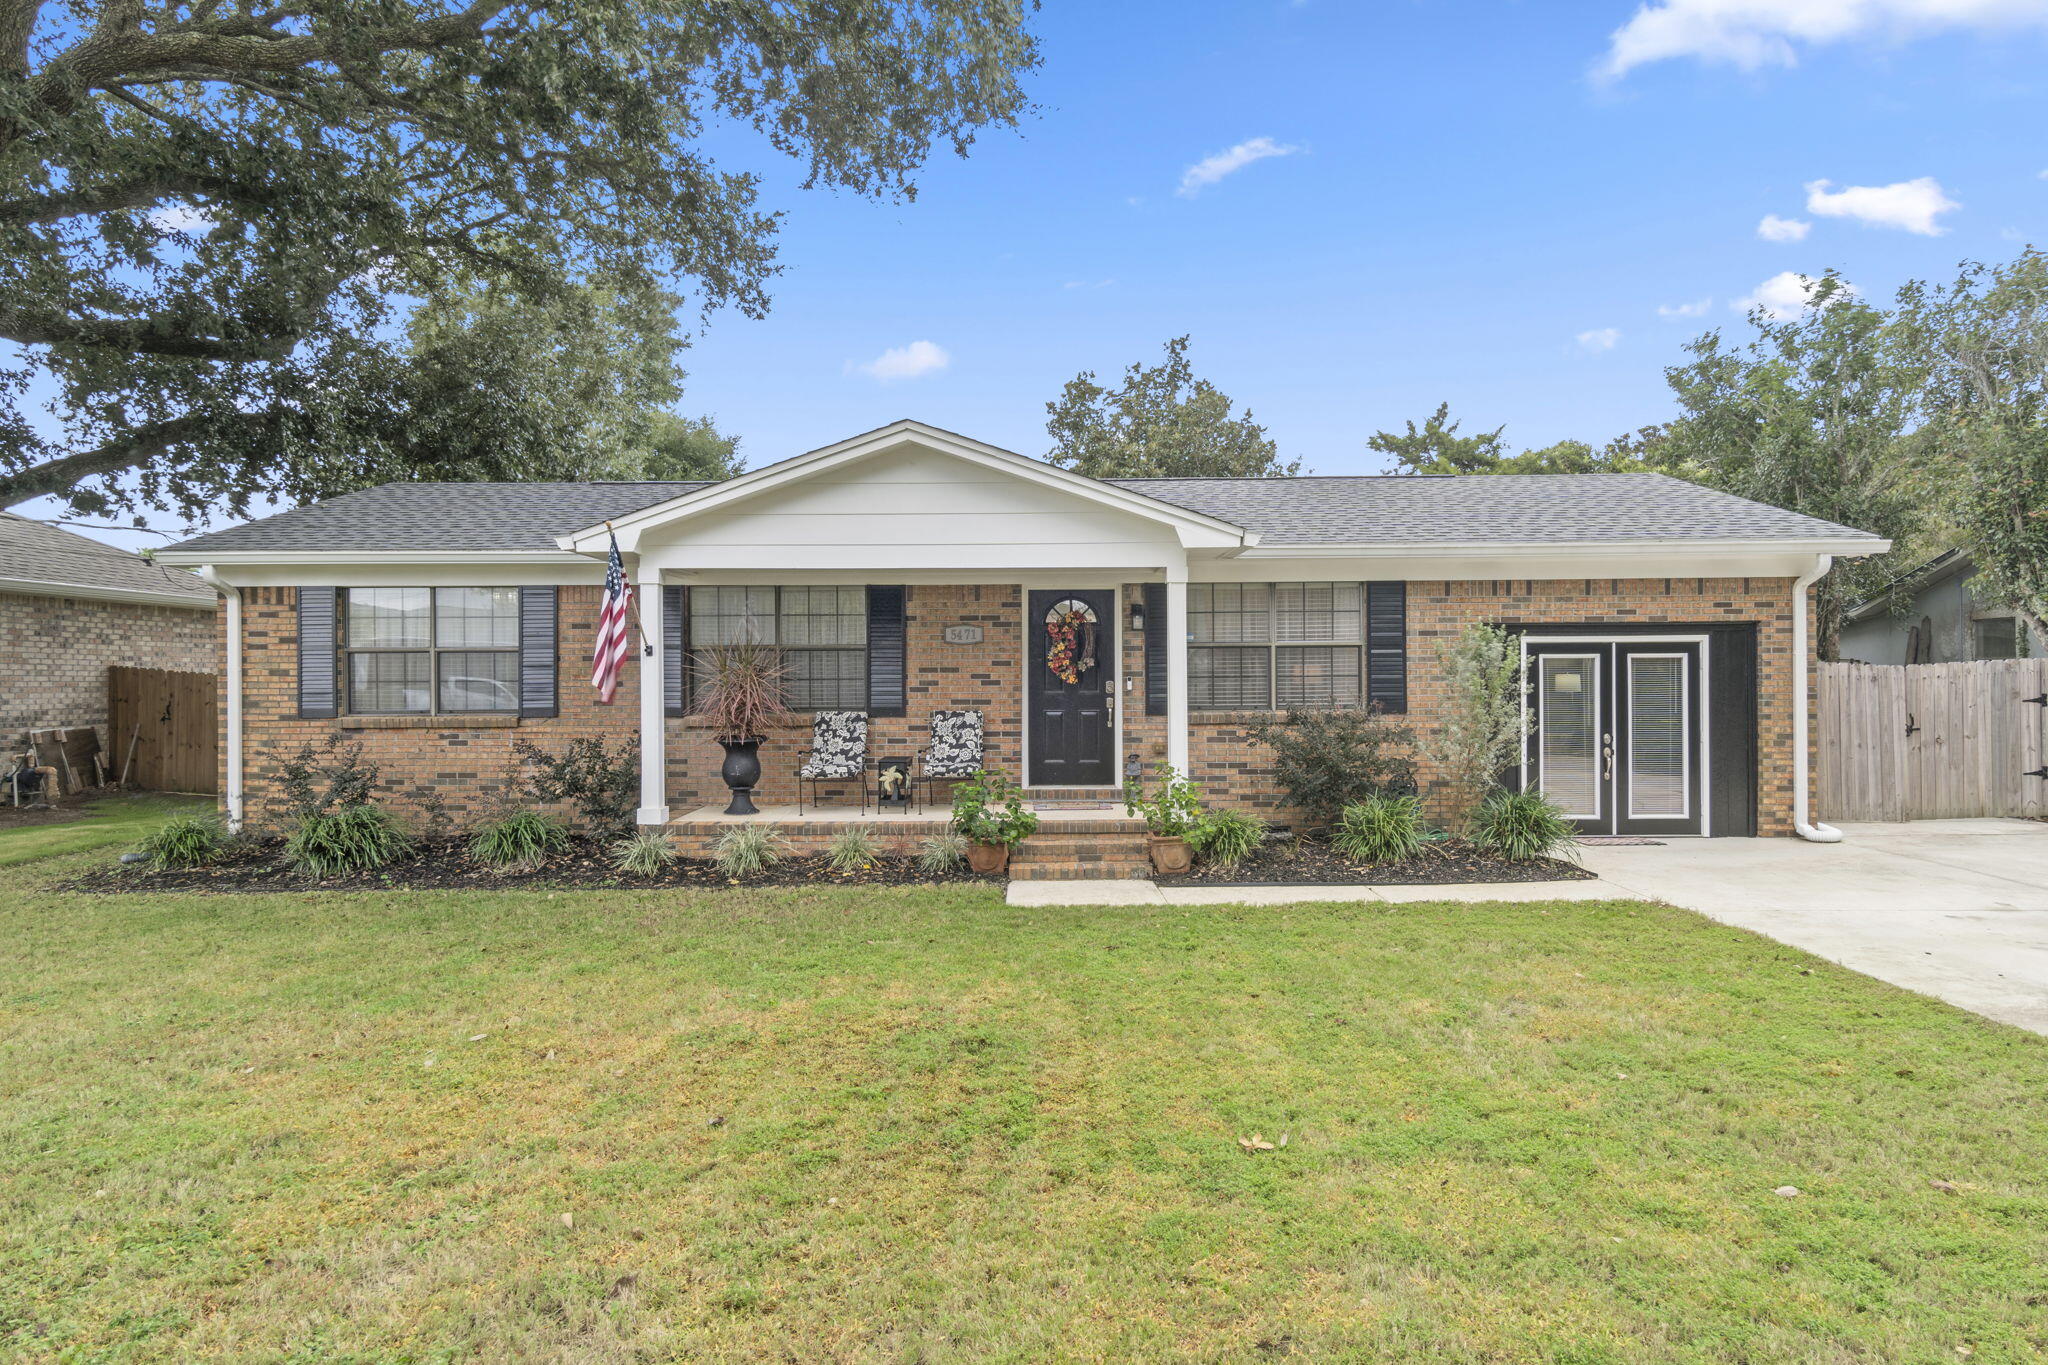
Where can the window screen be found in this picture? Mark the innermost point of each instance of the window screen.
(424, 650)
(1258, 646)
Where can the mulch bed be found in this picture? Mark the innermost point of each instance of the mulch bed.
(1312, 862)
(444, 866)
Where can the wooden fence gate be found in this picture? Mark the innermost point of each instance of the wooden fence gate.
(169, 720)
(1932, 741)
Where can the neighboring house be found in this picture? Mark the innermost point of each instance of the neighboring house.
(910, 569)
(71, 606)
(1928, 615)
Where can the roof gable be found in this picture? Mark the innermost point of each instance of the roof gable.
(35, 555)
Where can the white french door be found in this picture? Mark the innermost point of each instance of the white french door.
(1619, 736)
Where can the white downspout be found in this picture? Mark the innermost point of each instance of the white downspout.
(1802, 823)
(234, 717)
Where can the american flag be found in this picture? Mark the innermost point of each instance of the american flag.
(612, 628)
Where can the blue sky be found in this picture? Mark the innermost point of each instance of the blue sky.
(1469, 208)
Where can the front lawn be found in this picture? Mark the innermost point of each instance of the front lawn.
(918, 1125)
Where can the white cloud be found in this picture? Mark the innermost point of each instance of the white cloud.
(1211, 169)
(1696, 309)
(1909, 205)
(1090, 284)
(1600, 339)
(1784, 296)
(1750, 34)
(903, 362)
(180, 218)
(1776, 229)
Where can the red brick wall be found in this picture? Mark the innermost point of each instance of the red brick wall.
(468, 763)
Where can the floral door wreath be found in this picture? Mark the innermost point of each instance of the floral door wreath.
(1070, 639)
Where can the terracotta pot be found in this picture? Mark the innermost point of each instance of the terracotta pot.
(983, 859)
(1170, 853)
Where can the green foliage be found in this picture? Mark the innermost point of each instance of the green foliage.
(523, 838)
(1380, 829)
(1521, 826)
(742, 690)
(644, 853)
(319, 779)
(1173, 810)
(852, 850)
(1435, 447)
(1483, 720)
(1162, 421)
(212, 266)
(989, 809)
(1227, 837)
(186, 841)
(347, 839)
(686, 448)
(602, 783)
(942, 853)
(1327, 760)
(747, 850)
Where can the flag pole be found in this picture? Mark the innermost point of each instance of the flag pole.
(646, 645)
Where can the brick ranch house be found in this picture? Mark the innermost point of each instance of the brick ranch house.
(910, 569)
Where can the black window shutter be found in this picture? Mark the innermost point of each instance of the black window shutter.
(1386, 646)
(675, 629)
(887, 665)
(1155, 649)
(319, 693)
(537, 686)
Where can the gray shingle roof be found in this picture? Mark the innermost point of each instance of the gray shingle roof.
(36, 552)
(1389, 509)
(1371, 509)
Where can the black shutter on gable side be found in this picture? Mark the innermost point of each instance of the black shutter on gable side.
(537, 652)
(1155, 649)
(675, 630)
(319, 689)
(888, 663)
(1386, 646)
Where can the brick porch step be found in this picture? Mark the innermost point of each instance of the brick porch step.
(1071, 856)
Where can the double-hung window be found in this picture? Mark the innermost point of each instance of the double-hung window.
(1274, 646)
(821, 633)
(426, 650)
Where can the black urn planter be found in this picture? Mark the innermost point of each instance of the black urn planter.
(741, 771)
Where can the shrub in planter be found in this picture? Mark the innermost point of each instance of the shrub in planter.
(1226, 837)
(524, 838)
(989, 811)
(1523, 826)
(1327, 760)
(644, 853)
(351, 839)
(851, 850)
(748, 850)
(942, 853)
(1380, 829)
(187, 841)
(744, 694)
(1170, 815)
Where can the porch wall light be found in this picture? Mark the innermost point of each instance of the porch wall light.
(1138, 617)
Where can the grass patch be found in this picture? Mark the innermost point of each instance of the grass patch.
(107, 822)
(845, 1124)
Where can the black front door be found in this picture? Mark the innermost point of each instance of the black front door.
(1617, 740)
(1070, 687)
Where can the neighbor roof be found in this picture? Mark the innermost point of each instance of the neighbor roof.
(36, 557)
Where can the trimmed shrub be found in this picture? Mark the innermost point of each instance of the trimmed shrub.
(1327, 760)
(603, 784)
(1522, 826)
(644, 853)
(1380, 829)
(187, 841)
(351, 839)
(747, 850)
(1227, 837)
(525, 838)
(852, 849)
(942, 853)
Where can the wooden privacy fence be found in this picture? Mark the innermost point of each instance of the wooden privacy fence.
(1932, 741)
(168, 720)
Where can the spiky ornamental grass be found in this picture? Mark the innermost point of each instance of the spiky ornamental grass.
(749, 850)
(350, 839)
(942, 853)
(187, 841)
(523, 839)
(851, 850)
(1522, 826)
(1227, 837)
(1379, 829)
(644, 853)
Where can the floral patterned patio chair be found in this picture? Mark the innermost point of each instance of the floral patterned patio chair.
(955, 751)
(838, 754)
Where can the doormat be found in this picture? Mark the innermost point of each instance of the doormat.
(1075, 805)
(1618, 841)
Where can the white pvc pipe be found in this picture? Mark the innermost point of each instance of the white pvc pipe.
(233, 726)
(1802, 823)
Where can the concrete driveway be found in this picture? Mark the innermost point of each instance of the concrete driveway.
(1956, 909)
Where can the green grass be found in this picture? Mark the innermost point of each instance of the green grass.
(842, 1125)
(111, 822)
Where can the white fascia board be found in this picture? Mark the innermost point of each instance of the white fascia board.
(1617, 549)
(35, 587)
(1196, 529)
(444, 568)
(226, 558)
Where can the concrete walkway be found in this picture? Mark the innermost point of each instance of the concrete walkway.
(1956, 909)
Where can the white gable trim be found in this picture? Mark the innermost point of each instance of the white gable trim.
(1194, 529)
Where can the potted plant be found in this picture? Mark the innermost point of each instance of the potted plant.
(1168, 816)
(742, 697)
(989, 811)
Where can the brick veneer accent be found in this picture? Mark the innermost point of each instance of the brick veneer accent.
(468, 764)
(55, 652)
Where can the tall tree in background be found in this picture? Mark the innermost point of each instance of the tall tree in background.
(1435, 447)
(1162, 421)
(688, 448)
(1809, 415)
(209, 208)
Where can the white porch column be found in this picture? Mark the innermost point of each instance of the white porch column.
(653, 713)
(1176, 625)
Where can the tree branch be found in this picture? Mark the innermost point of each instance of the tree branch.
(145, 336)
(124, 452)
